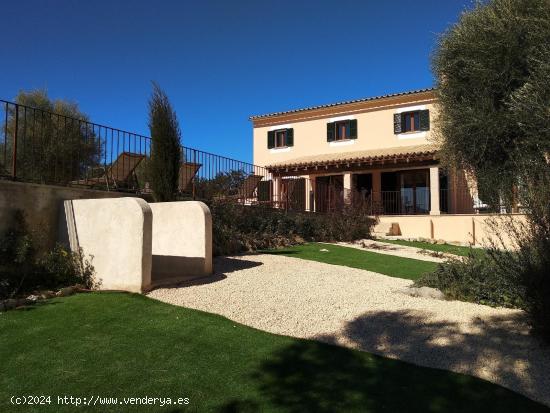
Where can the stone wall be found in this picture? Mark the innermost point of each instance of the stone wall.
(42, 206)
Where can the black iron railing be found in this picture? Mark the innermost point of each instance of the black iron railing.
(40, 146)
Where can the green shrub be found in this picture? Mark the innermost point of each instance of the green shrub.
(238, 228)
(532, 261)
(475, 278)
(509, 276)
(23, 270)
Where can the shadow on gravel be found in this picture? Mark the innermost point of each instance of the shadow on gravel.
(310, 376)
(278, 252)
(518, 359)
(224, 265)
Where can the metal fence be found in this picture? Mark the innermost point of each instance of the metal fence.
(52, 148)
(43, 147)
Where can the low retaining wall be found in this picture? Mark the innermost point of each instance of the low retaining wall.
(117, 234)
(468, 228)
(182, 241)
(41, 205)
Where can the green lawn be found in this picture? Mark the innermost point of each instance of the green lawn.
(451, 249)
(352, 257)
(125, 345)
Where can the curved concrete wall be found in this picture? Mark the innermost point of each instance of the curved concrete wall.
(182, 241)
(117, 234)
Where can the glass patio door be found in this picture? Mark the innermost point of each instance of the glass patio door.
(415, 192)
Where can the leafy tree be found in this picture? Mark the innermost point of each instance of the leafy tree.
(55, 143)
(492, 71)
(165, 159)
(492, 80)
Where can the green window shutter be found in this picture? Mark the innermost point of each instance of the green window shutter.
(353, 129)
(330, 132)
(270, 139)
(290, 137)
(397, 123)
(424, 120)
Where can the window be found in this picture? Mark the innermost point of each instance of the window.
(342, 130)
(411, 121)
(280, 138)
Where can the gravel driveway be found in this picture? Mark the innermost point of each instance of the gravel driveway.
(365, 310)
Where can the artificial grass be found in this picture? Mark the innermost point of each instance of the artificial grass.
(352, 257)
(126, 345)
(451, 249)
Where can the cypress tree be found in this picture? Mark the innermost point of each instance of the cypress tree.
(165, 146)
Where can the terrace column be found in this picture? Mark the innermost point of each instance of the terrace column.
(347, 187)
(308, 190)
(276, 201)
(376, 195)
(434, 191)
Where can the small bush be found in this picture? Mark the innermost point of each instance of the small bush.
(516, 276)
(475, 279)
(23, 270)
(239, 228)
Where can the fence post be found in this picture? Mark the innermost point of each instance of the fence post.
(14, 159)
(194, 177)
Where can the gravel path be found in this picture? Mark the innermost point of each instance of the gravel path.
(393, 249)
(365, 310)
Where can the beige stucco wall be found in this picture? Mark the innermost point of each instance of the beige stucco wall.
(116, 233)
(182, 241)
(374, 131)
(468, 228)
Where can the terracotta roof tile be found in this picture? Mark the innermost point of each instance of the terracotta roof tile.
(357, 156)
(410, 92)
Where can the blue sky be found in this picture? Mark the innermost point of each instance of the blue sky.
(219, 61)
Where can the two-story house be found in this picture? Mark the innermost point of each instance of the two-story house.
(379, 148)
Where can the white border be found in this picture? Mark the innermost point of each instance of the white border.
(281, 150)
(287, 126)
(410, 108)
(412, 135)
(342, 142)
(339, 118)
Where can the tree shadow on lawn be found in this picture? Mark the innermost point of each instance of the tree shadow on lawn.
(310, 376)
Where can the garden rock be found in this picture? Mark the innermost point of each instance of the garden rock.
(65, 292)
(32, 298)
